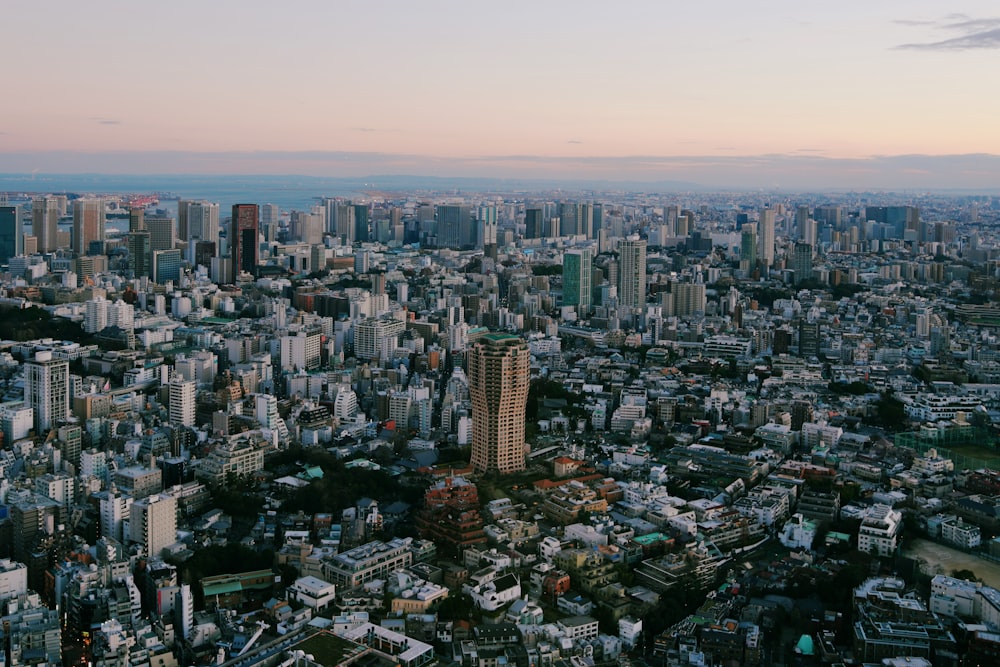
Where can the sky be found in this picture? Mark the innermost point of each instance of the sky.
(649, 90)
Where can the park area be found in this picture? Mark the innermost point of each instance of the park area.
(939, 559)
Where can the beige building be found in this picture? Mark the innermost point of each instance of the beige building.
(499, 375)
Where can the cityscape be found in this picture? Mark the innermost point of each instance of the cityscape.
(519, 334)
(481, 428)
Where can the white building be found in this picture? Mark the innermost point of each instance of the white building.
(182, 402)
(13, 579)
(115, 512)
(313, 592)
(46, 389)
(798, 533)
(153, 523)
(301, 351)
(879, 531)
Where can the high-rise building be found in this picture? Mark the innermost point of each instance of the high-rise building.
(340, 220)
(116, 509)
(162, 232)
(454, 227)
(45, 222)
(153, 523)
(632, 272)
(11, 232)
(88, 223)
(689, 298)
(748, 247)
(182, 402)
(243, 245)
(166, 265)
(136, 219)
(201, 224)
(46, 389)
(577, 273)
(802, 262)
(569, 219)
(499, 375)
(362, 231)
(765, 235)
(140, 257)
(534, 223)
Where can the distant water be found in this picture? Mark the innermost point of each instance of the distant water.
(287, 192)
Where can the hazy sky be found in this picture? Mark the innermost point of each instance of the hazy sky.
(479, 80)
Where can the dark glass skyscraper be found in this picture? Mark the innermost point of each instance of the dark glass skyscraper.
(243, 246)
(11, 232)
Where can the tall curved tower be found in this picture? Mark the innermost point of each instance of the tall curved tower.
(499, 374)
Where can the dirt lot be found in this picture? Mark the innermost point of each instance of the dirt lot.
(939, 559)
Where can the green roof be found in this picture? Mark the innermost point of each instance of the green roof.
(223, 588)
(805, 645)
(651, 538)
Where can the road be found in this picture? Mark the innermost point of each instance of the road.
(939, 559)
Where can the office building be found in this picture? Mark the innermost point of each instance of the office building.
(199, 222)
(499, 376)
(748, 248)
(153, 523)
(632, 272)
(136, 219)
(577, 274)
(140, 257)
(45, 222)
(765, 233)
(454, 227)
(88, 224)
(802, 262)
(243, 245)
(166, 265)
(534, 223)
(162, 232)
(362, 231)
(46, 389)
(11, 232)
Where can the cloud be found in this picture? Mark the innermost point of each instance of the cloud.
(983, 33)
(364, 129)
(574, 141)
(106, 121)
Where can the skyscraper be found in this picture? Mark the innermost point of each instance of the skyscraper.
(136, 219)
(45, 222)
(162, 232)
(632, 272)
(88, 223)
(534, 223)
(201, 224)
(243, 246)
(11, 232)
(140, 257)
(46, 389)
(499, 366)
(577, 273)
(765, 237)
(361, 225)
(802, 262)
(454, 227)
(748, 247)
